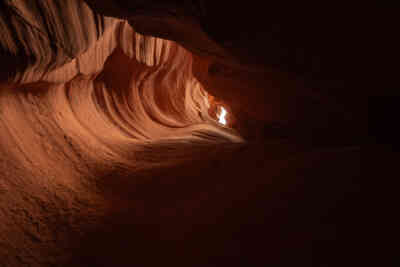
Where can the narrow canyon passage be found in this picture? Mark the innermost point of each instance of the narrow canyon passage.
(65, 132)
(112, 152)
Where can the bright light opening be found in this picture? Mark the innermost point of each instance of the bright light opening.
(221, 116)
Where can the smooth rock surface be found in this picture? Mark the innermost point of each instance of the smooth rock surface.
(110, 154)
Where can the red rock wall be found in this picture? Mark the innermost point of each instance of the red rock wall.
(108, 155)
(86, 98)
(310, 69)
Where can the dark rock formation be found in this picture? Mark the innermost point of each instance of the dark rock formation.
(303, 65)
(110, 154)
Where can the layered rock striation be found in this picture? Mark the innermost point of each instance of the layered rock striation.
(111, 155)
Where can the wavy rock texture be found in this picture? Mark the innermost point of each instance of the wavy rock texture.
(109, 155)
(86, 95)
(300, 68)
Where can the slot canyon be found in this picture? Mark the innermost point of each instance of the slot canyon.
(196, 133)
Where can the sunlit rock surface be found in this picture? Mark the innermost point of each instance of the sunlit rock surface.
(87, 97)
(309, 69)
(110, 153)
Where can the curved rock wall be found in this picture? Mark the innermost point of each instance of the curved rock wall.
(86, 97)
(39, 37)
(309, 69)
(109, 157)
